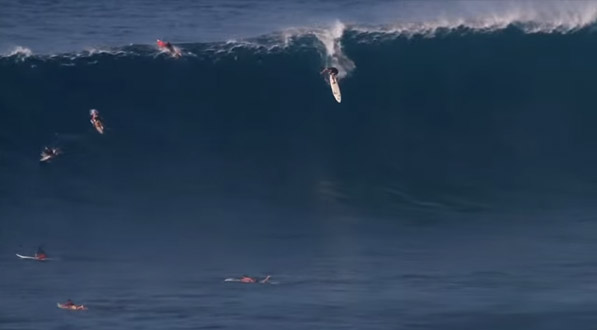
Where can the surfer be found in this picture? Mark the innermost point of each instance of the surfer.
(248, 279)
(69, 304)
(165, 44)
(333, 72)
(168, 47)
(41, 254)
(49, 153)
(94, 115)
(333, 80)
(96, 121)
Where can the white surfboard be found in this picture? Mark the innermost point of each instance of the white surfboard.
(45, 158)
(175, 52)
(335, 88)
(24, 257)
(32, 258)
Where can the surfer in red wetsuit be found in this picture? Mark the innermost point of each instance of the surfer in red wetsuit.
(247, 279)
(175, 52)
(165, 44)
(40, 254)
(69, 303)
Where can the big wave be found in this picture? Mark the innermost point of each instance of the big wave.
(451, 117)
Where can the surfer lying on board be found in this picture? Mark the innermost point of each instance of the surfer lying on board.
(49, 153)
(96, 121)
(70, 305)
(40, 254)
(248, 279)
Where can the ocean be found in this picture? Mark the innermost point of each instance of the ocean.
(453, 187)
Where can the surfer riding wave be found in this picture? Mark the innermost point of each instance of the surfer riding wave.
(332, 71)
(333, 80)
(167, 46)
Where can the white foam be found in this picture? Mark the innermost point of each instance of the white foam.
(21, 52)
(406, 19)
(331, 38)
(530, 17)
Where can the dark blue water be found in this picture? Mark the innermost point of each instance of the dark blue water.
(453, 187)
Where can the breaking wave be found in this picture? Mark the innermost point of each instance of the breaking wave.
(447, 115)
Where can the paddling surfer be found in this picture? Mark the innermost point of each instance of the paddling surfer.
(40, 254)
(49, 153)
(96, 121)
(248, 279)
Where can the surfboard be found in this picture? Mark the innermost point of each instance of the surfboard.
(335, 88)
(232, 280)
(177, 52)
(25, 257)
(45, 158)
(32, 258)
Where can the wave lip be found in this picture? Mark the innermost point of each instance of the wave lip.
(549, 17)
(529, 17)
(19, 52)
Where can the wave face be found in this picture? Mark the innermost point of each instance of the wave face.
(459, 120)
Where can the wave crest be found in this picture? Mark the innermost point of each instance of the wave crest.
(20, 52)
